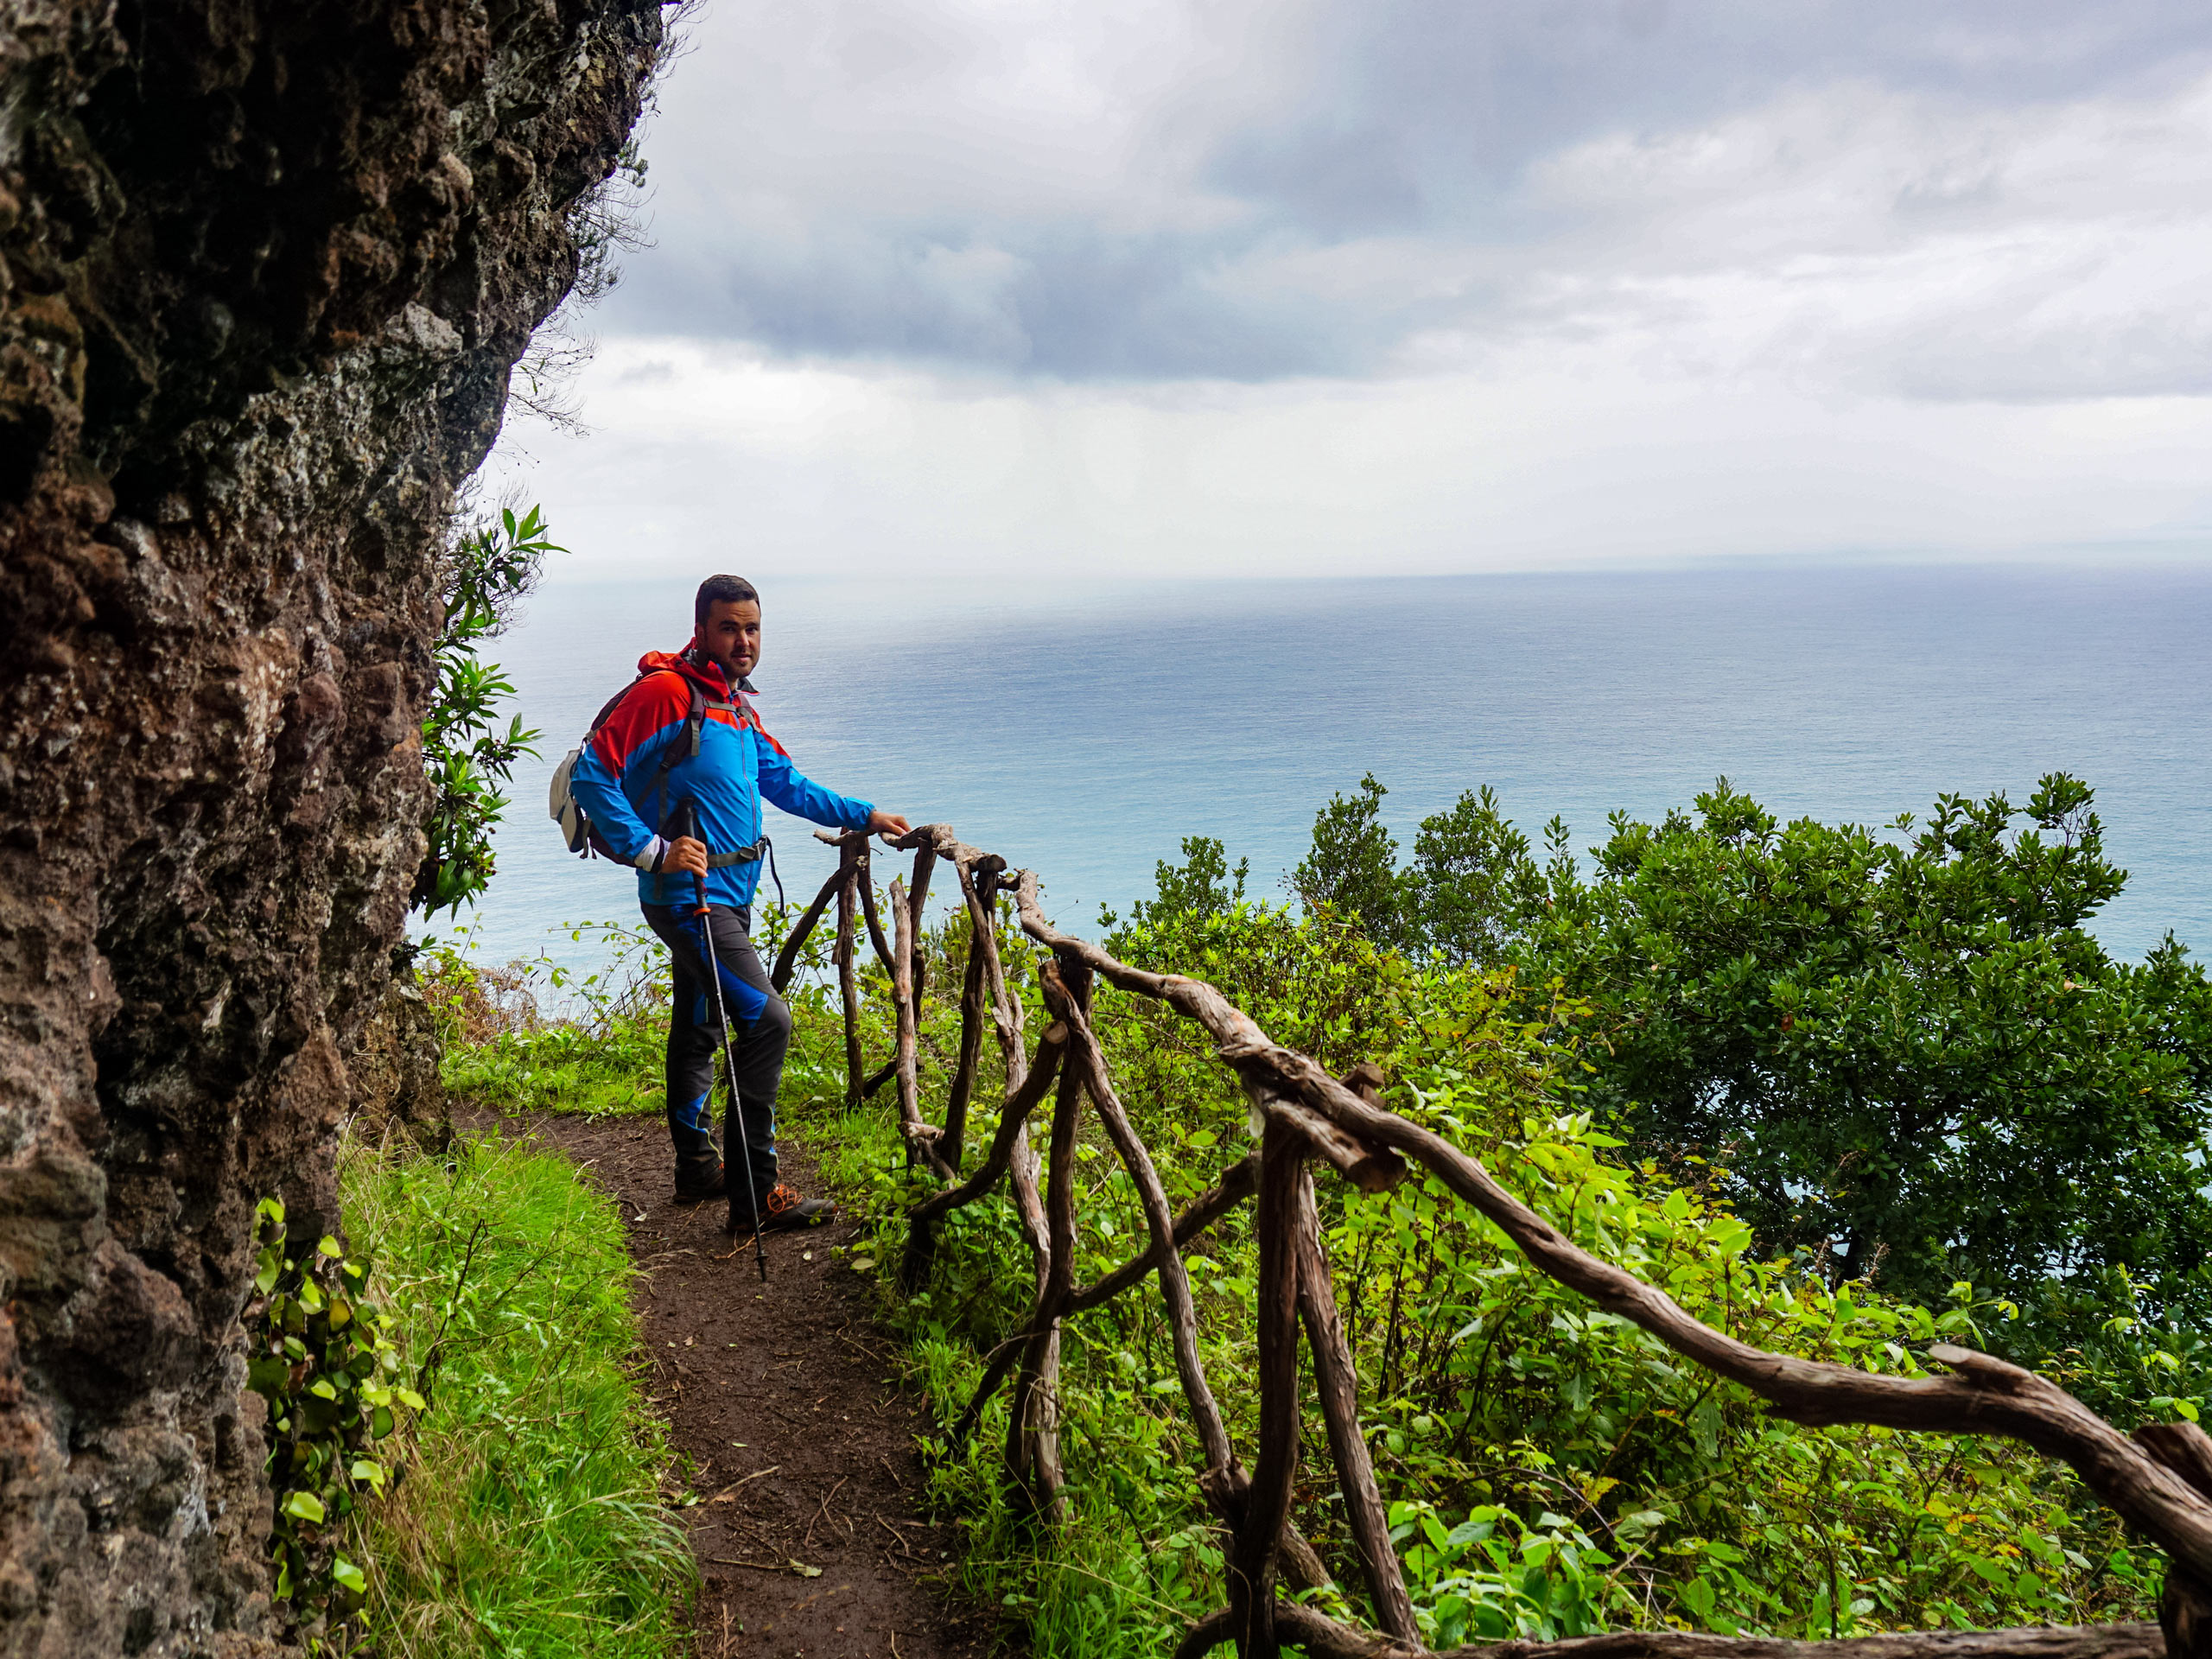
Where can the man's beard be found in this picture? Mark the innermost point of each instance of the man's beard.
(731, 672)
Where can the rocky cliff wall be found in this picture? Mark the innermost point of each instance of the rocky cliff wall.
(264, 265)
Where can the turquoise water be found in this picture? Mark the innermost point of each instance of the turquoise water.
(1084, 736)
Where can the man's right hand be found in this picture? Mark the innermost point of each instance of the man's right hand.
(687, 855)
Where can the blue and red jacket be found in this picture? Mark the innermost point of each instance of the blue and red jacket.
(618, 782)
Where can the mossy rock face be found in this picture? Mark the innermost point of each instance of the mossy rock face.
(397, 1093)
(265, 267)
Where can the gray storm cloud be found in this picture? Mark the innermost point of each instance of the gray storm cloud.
(1248, 192)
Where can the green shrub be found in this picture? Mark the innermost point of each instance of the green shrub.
(483, 574)
(1904, 1042)
(1550, 1469)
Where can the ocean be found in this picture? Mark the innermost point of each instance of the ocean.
(1083, 734)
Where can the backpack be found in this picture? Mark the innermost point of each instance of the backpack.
(562, 805)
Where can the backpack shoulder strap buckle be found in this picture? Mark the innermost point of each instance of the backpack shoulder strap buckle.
(742, 856)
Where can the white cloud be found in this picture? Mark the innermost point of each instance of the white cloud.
(1887, 242)
(1173, 189)
(1551, 457)
(1216, 287)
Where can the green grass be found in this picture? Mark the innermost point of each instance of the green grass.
(529, 1518)
(563, 1068)
(602, 1055)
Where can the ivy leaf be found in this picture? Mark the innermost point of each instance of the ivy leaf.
(267, 1375)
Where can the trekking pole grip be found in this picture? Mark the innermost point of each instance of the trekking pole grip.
(691, 831)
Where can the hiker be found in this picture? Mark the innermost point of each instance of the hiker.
(683, 736)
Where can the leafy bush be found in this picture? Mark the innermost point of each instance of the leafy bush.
(489, 569)
(1550, 1469)
(1913, 1060)
(1352, 869)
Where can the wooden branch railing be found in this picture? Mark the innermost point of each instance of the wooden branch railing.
(2160, 1480)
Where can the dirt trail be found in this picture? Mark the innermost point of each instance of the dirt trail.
(810, 1540)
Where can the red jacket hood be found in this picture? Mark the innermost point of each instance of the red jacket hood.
(710, 677)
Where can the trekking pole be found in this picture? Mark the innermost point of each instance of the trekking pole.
(729, 1059)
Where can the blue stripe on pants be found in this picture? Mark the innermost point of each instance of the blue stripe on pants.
(741, 999)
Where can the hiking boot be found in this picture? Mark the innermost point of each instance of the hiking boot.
(780, 1207)
(699, 1181)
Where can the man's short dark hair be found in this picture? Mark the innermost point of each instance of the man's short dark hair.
(719, 590)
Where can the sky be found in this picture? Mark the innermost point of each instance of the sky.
(1030, 295)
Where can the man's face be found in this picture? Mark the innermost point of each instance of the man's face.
(731, 635)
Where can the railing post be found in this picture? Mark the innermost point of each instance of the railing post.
(1033, 1449)
(980, 878)
(918, 896)
(971, 1039)
(906, 1004)
(852, 870)
(1337, 1385)
(2185, 1603)
(1267, 1503)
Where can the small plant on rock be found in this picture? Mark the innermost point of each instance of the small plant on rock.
(487, 572)
(323, 1358)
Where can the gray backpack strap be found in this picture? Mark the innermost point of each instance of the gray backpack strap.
(695, 726)
(694, 722)
(742, 856)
